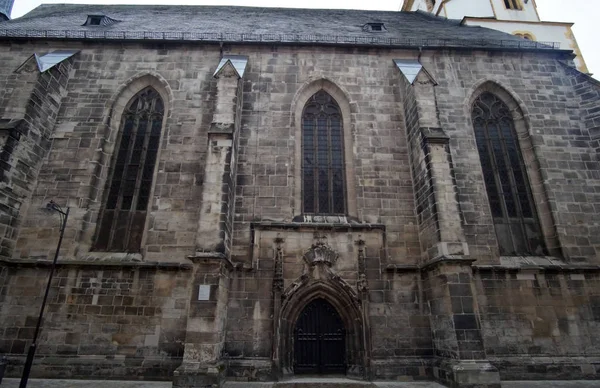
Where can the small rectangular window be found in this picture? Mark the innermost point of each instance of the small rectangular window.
(513, 4)
(94, 20)
(374, 27)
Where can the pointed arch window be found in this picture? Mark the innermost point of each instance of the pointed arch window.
(130, 179)
(323, 177)
(509, 193)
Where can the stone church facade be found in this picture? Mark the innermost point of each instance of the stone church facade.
(384, 195)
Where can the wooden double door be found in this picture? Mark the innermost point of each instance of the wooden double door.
(319, 340)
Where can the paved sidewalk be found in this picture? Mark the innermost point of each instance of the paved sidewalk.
(332, 382)
(552, 384)
(49, 383)
(54, 383)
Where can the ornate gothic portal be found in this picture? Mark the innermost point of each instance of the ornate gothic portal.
(319, 340)
(321, 326)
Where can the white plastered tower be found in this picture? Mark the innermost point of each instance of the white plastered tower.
(516, 17)
(5, 9)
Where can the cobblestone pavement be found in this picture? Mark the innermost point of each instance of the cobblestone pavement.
(43, 383)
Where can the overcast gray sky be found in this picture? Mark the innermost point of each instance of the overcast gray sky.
(582, 12)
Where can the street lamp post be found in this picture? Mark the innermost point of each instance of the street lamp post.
(64, 215)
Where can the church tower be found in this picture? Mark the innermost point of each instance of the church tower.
(516, 17)
(5, 9)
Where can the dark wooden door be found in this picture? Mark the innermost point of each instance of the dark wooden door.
(319, 340)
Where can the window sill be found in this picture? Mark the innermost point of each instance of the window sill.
(537, 263)
(348, 225)
(114, 261)
(112, 256)
(325, 219)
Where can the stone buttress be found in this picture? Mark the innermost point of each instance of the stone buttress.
(460, 359)
(205, 333)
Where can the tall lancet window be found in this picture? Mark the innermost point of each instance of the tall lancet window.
(515, 220)
(130, 180)
(323, 180)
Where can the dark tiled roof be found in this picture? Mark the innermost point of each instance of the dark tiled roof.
(221, 23)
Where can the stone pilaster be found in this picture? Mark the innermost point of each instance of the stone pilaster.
(432, 157)
(450, 234)
(205, 332)
(30, 108)
(362, 288)
(214, 227)
(278, 284)
(460, 354)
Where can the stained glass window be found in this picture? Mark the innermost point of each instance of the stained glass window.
(515, 220)
(124, 214)
(323, 177)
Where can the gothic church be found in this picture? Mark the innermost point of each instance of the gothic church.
(258, 194)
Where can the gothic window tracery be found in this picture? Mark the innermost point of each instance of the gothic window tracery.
(507, 185)
(130, 180)
(323, 177)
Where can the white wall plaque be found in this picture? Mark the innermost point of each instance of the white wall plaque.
(203, 292)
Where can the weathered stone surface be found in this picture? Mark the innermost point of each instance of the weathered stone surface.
(98, 322)
(413, 268)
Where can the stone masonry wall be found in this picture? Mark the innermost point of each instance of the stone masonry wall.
(540, 324)
(34, 99)
(111, 321)
(569, 165)
(76, 169)
(266, 177)
(397, 316)
(588, 91)
(400, 326)
(99, 322)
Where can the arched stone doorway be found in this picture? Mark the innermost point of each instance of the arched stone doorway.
(343, 299)
(319, 340)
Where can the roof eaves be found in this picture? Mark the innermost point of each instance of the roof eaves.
(355, 41)
(529, 22)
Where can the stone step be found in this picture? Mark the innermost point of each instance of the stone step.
(306, 382)
(240, 384)
(323, 382)
(319, 382)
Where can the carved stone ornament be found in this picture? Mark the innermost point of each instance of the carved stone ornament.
(295, 286)
(320, 253)
(362, 285)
